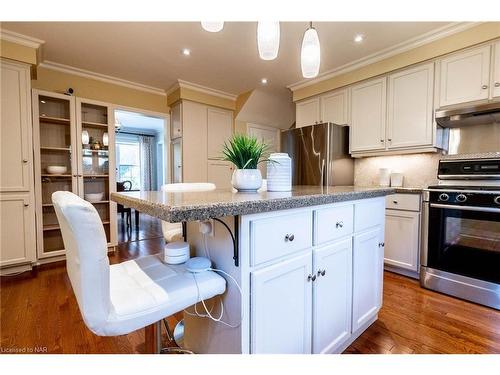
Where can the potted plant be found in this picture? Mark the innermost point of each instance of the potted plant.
(245, 152)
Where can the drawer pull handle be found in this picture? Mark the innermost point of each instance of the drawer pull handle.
(395, 202)
(311, 278)
(321, 273)
(484, 87)
(289, 237)
(339, 224)
(381, 244)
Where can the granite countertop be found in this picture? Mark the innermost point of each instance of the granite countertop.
(177, 207)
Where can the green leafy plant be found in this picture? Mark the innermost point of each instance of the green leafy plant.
(244, 151)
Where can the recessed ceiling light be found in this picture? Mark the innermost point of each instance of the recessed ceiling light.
(263, 81)
(186, 51)
(359, 38)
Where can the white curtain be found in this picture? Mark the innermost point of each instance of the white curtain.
(147, 162)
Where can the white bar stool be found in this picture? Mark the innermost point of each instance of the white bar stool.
(121, 298)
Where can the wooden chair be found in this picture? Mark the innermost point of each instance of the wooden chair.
(124, 186)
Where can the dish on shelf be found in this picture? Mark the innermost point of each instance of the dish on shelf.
(94, 197)
(56, 169)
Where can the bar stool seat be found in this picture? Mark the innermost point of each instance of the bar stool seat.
(118, 299)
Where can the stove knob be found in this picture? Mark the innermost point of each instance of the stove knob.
(461, 198)
(444, 197)
(497, 200)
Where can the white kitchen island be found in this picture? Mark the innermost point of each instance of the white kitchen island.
(309, 263)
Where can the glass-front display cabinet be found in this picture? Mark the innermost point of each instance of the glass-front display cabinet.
(73, 140)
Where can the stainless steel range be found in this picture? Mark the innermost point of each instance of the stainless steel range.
(461, 231)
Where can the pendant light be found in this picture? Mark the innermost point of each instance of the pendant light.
(268, 39)
(310, 55)
(213, 27)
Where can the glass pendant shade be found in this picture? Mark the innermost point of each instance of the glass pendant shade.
(213, 27)
(85, 137)
(268, 39)
(310, 56)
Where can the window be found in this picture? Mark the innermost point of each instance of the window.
(128, 163)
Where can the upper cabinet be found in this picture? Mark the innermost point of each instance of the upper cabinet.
(176, 121)
(465, 77)
(308, 113)
(368, 115)
(409, 112)
(496, 72)
(334, 107)
(220, 129)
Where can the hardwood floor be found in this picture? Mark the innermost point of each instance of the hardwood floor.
(39, 313)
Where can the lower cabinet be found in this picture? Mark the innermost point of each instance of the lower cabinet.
(281, 307)
(17, 235)
(402, 239)
(368, 258)
(332, 296)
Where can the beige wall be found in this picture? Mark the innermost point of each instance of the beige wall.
(420, 170)
(475, 35)
(14, 51)
(52, 80)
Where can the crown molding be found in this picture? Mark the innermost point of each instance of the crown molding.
(407, 45)
(204, 89)
(101, 77)
(21, 39)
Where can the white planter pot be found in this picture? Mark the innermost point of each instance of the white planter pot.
(246, 180)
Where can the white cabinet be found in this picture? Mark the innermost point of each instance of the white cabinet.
(495, 91)
(465, 76)
(368, 115)
(176, 121)
(334, 107)
(281, 307)
(17, 234)
(402, 239)
(367, 261)
(15, 128)
(410, 107)
(332, 296)
(219, 130)
(176, 155)
(307, 112)
(219, 173)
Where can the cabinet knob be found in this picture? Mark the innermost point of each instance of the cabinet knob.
(26, 205)
(75, 175)
(339, 224)
(25, 161)
(311, 277)
(395, 202)
(321, 273)
(381, 244)
(289, 237)
(381, 141)
(497, 84)
(389, 139)
(484, 87)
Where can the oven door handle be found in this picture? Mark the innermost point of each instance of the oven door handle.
(465, 208)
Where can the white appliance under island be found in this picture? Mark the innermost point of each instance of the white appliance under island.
(309, 264)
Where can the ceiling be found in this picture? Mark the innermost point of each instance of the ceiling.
(137, 121)
(150, 53)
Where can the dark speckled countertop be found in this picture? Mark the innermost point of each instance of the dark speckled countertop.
(177, 207)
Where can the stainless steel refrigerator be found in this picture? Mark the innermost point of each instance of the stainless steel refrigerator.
(320, 155)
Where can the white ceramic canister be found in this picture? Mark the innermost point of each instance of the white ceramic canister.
(279, 172)
(384, 177)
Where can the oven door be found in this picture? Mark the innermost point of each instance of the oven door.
(464, 240)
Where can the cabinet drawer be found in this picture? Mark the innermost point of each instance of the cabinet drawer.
(408, 202)
(368, 213)
(332, 223)
(278, 236)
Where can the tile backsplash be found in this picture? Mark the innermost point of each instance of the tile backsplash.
(419, 170)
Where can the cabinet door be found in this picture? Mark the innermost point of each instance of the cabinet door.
(410, 115)
(220, 173)
(495, 92)
(194, 142)
(465, 76)
(332, 296)
(220, 129)
(368, 115)
(367, 261)
(176, 121)
(176, 152)
(307, 113)
(281, 307)
(15, 128)
(17, 239)
(334, 107)
(402, 239)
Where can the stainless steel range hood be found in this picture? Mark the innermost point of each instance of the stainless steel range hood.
(472, 115)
